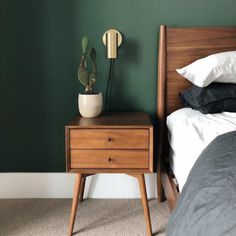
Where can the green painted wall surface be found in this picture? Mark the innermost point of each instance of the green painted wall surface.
(40, 51)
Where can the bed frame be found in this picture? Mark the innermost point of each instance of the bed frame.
(177, 48)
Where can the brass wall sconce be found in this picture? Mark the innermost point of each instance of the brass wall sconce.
(112, 39)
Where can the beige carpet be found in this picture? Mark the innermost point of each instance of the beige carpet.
(49, 217)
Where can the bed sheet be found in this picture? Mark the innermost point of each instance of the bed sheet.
(189, 134)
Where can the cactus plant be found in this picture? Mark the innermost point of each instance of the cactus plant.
(85, 77)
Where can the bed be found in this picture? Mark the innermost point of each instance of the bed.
(177, 48)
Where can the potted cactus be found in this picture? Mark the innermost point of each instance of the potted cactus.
(90, 103)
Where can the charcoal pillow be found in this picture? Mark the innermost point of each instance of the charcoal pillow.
(215, 98)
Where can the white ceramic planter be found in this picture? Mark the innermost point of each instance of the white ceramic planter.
(90, 105)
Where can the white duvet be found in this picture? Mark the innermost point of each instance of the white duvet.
(190, 132)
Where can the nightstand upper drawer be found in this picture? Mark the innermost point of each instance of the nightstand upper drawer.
(109, 138)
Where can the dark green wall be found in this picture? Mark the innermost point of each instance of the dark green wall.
(40, 50)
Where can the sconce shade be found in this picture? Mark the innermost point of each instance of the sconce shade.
(112, 39)
(111, 42)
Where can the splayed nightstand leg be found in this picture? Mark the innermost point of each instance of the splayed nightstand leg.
(75, 202)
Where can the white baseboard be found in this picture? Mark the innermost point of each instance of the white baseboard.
(60, 185)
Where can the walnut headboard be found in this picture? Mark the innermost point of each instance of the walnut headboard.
(177, 48)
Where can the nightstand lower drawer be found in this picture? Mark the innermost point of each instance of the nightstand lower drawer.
(109, 159)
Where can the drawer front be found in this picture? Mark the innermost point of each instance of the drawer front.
(109, 139)
(109, 159)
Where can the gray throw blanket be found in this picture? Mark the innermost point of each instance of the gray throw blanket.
(207, 204)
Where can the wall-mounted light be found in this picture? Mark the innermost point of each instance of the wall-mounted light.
(112, 39)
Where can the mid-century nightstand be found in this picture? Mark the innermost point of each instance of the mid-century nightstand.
(112, 143)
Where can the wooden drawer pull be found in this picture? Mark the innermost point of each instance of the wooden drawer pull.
(109, 140)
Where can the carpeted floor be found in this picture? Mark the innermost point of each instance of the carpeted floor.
(49, 217)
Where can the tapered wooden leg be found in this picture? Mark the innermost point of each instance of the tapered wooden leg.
(160, 190)
(75, 202)
(143, 192)
(81, 192)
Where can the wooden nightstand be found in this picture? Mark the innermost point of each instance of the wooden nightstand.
(112, 143)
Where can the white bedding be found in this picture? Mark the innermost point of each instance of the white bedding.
(190, 132)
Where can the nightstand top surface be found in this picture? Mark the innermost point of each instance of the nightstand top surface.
(113, 119)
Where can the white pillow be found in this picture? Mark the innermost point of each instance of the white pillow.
(220, 67)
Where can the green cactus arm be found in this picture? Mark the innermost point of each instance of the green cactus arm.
(93, 55)
(92, 80)
(85, 43)
(93, 75)
(83, 74)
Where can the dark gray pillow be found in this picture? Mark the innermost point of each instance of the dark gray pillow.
(215, 98)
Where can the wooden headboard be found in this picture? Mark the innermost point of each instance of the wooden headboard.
(179, 47)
